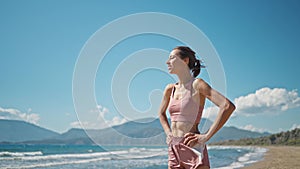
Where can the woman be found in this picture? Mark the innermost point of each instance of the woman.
(185, 101)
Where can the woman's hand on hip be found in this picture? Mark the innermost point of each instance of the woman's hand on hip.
(191, 139)
(169, 138)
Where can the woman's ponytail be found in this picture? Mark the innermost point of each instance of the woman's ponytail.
(194, 64)
(197, 67)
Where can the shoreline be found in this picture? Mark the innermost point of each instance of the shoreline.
(254, 154)
(278, 157)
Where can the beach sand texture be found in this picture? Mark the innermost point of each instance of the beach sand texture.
(279, 157)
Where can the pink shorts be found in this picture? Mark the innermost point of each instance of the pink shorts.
(182, 156)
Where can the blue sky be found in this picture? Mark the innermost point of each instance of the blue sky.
(257, 42)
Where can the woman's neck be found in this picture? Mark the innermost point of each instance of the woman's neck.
(184, 77)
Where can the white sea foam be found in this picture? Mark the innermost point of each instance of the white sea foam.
(141, 153)
(229, 147)
(253, 156)
(70, 159)
(19, 154)
(39, 156)
(135, 157)
(49, 164)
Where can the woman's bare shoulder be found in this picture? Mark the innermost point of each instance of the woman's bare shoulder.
(200, 83)
(169, 87)
(199, 80)
(168, 90)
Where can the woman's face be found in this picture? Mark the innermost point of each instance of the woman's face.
(175, 63)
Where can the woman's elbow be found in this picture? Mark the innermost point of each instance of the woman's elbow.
(162, 114)
(229, 107)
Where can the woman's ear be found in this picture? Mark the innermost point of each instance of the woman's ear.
(186, 60)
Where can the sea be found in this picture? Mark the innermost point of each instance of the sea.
(115, 157)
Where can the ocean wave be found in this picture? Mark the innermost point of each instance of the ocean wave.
(230, 147)
(49, 164)
(34, 161)
(116, 165)
(136, 157)
(40, 156)
(253, 156)
(19, 154)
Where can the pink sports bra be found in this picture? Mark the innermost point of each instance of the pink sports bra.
(185, 109)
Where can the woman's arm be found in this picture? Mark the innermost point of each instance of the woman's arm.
(226, 107)
(163, 107)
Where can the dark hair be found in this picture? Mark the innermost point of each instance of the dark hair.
(194, 64)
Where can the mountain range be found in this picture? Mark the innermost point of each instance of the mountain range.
(16, 131)
(130, 133)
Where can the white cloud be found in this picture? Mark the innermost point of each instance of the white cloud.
(99, 119)
(294, 126)
(252, 128)
(266, 100)
(117, 121)
(210, 113)
(75, 124)
(85, 125)
(15, 114)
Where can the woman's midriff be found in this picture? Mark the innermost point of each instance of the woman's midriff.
(179, 128)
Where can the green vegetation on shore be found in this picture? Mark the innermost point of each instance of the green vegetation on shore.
(291, 138)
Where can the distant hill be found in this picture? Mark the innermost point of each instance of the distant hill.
(233, 133)
(283, 138)
(17, 131)
(139, 133)
(130, 133)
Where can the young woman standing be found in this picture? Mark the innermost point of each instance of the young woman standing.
(185, 101)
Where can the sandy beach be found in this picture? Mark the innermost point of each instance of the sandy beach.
(279, 157)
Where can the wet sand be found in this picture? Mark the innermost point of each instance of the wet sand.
(279, 157)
